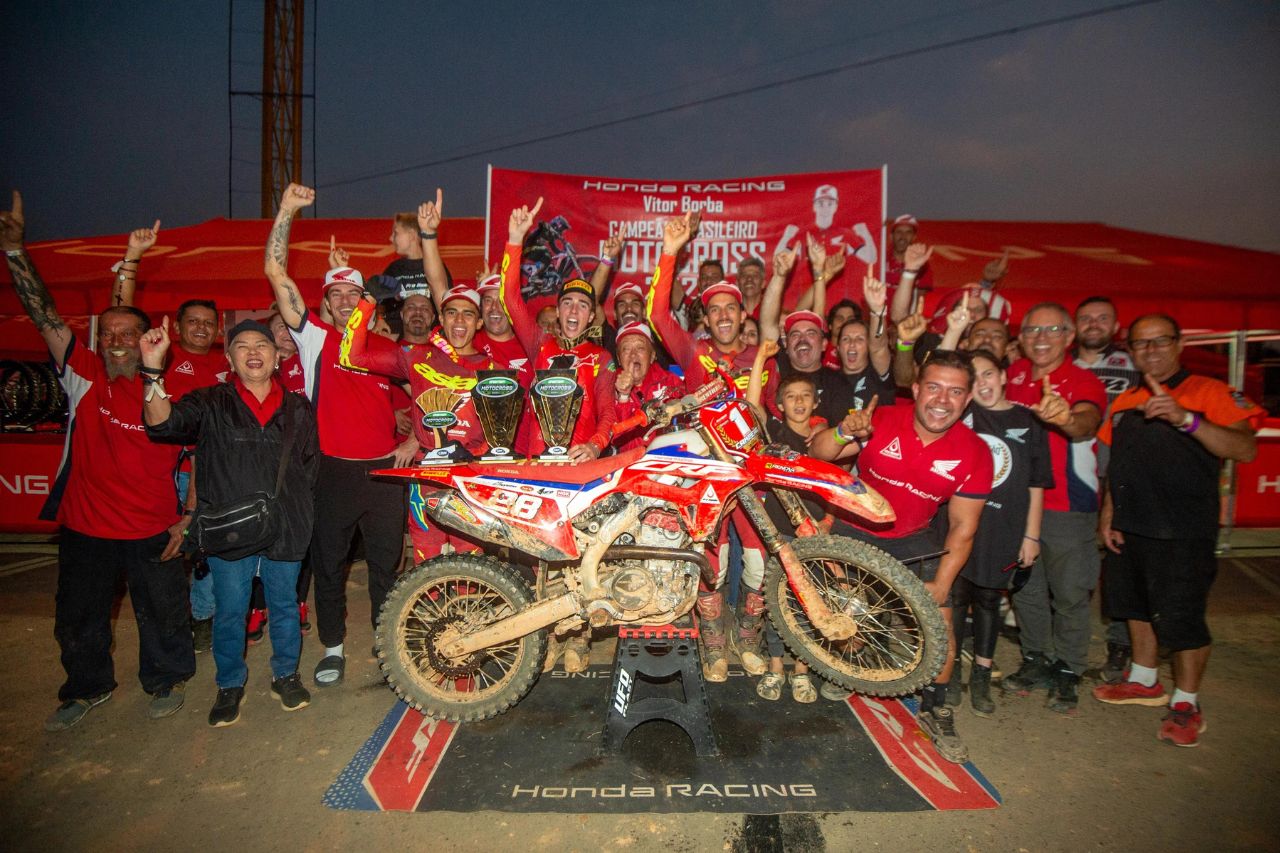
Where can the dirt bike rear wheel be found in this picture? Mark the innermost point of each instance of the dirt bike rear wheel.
(457, 592)
(901, 644)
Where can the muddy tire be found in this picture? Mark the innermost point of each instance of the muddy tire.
(901, 644)
(454, 593)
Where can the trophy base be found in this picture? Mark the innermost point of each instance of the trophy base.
(554, 454)
(501, 457)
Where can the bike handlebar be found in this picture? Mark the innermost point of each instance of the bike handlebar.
(662, 413)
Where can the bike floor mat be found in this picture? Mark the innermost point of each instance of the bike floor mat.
(775, 757)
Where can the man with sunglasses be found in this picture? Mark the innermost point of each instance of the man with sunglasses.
(1159, 518)
(1053, 608)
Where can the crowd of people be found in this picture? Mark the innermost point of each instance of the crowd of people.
(1022, 465)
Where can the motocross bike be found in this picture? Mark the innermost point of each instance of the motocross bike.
(621, 540)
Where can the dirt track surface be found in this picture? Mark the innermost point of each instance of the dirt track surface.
(1099, 780)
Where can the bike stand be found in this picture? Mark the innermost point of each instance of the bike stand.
(657, 654)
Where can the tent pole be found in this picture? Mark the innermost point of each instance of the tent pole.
(1237, 350)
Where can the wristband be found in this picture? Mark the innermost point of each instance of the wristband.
(151, 371)
(1191, 424)
(130, 260)
(906, 346)
(188, 512)
(1032, 538)
(840, 438)
(425, 236)
(912, 273)
(15, 253)
(607, 261)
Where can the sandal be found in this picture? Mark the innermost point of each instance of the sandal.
(330, 670)
(802, 689)
(770, 686)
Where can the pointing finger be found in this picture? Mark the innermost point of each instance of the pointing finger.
(439, 198)
(16, 208)
(155, 229)
(1156, 388)
(536, 208)
(1048, 387)
(871, 407)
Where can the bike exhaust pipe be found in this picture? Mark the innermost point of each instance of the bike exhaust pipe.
(644, 552)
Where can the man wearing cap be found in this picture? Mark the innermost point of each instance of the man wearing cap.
(723, 355)
(570, 346)
(115, 501)
(497, 338)
(903, 262)
(640, 379)
(357, 434)
(835, 239)
(441, 375)
(240, 430)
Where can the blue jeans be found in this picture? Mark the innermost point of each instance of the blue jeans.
(202, 605)
(232, 584)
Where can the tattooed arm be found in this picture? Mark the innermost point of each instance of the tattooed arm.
(288, 298)
(31, 291)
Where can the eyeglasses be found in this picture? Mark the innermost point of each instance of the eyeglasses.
(1159, 343)
(1053, 331)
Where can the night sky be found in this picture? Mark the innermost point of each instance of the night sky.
(1162, 118)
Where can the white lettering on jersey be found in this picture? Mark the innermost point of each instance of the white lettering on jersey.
(944, 467)
(893, 450)
(186, 368)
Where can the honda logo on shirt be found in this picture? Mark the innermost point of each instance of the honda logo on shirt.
(186, 368)
(944, 467)
(893, 450)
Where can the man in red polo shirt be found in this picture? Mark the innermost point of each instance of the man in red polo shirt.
(640, 379)
(115, 499)
(1053, 607)
(357, 434)
(921, 457)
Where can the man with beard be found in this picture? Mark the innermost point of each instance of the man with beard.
(640, 379)
(921, 457)
(722, 355)
(689, 307)
(115, 499)
(1096, 329)
(441, 375)
(865, 363)
(357, 428)
(1053, 607)
(628, 308)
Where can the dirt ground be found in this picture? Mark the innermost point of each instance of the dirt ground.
(1100, 780)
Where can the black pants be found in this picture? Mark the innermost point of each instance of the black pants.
(986, 615)
(88, 569)
(346, 498)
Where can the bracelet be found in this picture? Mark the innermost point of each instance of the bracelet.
(15, 253)
(151, 371)
(607, 261)
(425, 236)
(1032, 538)
(912, 273)
(1191, 424)
(906, 346)
(840, 438)
(188, 512)
(130, 260)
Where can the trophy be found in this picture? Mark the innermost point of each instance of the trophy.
(498, 400)
(439, 406)
(557, 399)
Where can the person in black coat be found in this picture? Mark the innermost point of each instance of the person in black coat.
(253, 438)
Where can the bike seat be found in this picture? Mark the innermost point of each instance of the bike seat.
(563, 472)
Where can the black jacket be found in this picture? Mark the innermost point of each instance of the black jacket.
(237, 457)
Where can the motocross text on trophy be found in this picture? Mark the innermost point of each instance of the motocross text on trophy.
(557, 399)
(498, 400)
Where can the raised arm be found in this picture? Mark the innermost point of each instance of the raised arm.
(288, 298)
(126, 271)
(909, 331)
(522, 322)
(154, 345)
(957, 322)
(27, 283)
(429, 216)
(678, 341)
(755, 383)
(845, 439)
(917, 255)
(824, 271)
(364, 350)
(771, 299)
(873, 292)
(610, 251)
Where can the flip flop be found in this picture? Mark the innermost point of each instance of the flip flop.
(331, 664)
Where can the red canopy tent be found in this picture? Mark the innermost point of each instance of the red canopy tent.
(1204, 285)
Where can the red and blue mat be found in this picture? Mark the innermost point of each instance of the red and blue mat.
(775, 757)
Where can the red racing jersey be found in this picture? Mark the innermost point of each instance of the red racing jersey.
(657, 385)
(1075, 462)
(916, 478)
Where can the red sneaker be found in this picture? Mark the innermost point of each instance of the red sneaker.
(1130, 693)
(254, 630)
(1183, 725)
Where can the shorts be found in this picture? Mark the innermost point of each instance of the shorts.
(1165, 582)
(906, 549)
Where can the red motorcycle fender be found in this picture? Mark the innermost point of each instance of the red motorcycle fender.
(828, 482)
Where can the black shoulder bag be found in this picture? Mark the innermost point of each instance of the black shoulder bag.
(246, 526)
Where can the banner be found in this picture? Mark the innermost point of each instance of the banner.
(741, 218)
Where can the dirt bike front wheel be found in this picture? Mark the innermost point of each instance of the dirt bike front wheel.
(437, 600)
(901, 643)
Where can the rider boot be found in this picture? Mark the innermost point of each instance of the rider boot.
(715, 665)
(577, 650)
(750, 631)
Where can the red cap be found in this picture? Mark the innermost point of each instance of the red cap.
(628, 287)
(635, 327)
(826, 191)
(460, 291)
(343, 275)
(489, 282)
(801, 317)
(905, 219)
(721, 287)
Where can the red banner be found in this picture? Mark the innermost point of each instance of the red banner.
(741, 218)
